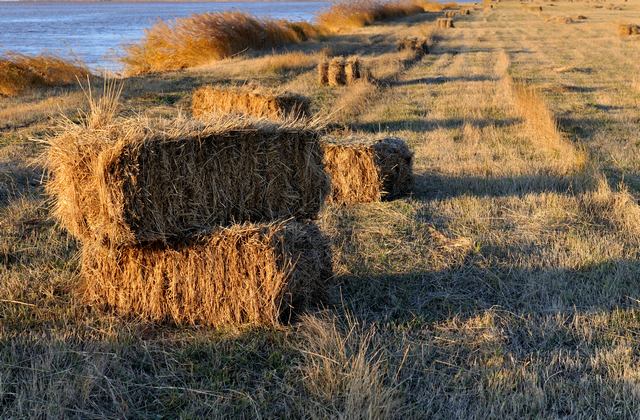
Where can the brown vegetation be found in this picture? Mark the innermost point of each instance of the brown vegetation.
(198, 39)
(419, 46)
(364, 170)
(353, 14)
(244, 274)
(20, 73)
(249, 101)
(137, 180)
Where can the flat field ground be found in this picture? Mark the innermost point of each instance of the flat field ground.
(506, 286)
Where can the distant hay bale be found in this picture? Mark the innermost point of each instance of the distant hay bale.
(560, 19)
(627, 29)
(353, 70)
(418, 45)
(466, 12)
(135, 180)
(323, 73)
(336, 75)
(450, 13)
(444, 23)
(244, 274)
(365, 170)
(252, 102)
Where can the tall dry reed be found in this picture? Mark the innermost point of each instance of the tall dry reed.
(20, 72)
(198, 39)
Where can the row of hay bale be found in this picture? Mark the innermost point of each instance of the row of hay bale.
(212, 222)
(340, 71)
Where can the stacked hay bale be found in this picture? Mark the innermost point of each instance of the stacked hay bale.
(419, 46)
(364, 169)
(337, 75)
(627, 29)
(450, 13)
(340, 71)
(444, 23)
(248, 101)
(194, 223)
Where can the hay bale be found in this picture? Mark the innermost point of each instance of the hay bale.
(249, 101)
(560, 19)
(336, 72)
(365, 170)
(466, 12)
(352, 70)
(323, 73)
(420, 46)
(444, 23)
(245, 274)
(450, 13)
(137, 181)
(626, 29)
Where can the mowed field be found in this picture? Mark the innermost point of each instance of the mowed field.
(506, 286)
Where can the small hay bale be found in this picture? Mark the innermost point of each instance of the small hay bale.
(323, 73)
(418, 45)
(337, 75)
(352, 70)
(444, 23)
(450, 13)
(366, 170)
(137, 181)
(244, 274)
(253, 102)
(466, 12)
(626, 29)
(560, 19)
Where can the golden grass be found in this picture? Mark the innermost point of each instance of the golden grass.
(249, 101)
(354, 14)
(143, 180)
(20, 73)
(541, 122)
(198, 39)
(244, 274)
(365, 170)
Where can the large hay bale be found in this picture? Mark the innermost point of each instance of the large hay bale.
(137, 181)
(365, 170)
(323, 73)
(249, 101)
(245, 274)
(353, 70)
(337, 75)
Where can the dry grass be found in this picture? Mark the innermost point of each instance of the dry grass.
(355, 14)
(249, 101)
(505, 286)
(365, 170)
(138, 180)
(20, 73)
(244, 274)
(198, 39)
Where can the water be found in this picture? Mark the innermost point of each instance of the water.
(95, 32)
